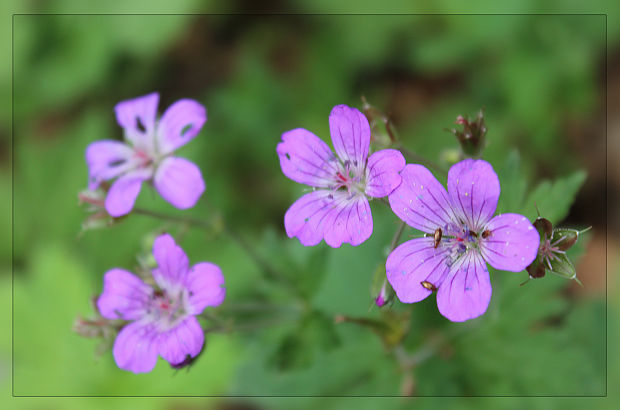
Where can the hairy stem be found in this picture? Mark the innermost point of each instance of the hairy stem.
(270, 272)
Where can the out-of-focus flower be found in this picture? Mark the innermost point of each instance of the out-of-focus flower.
(338, 210)
(163, 318)
(462, 237)
(147, 156)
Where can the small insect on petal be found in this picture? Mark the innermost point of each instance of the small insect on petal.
(188, 361)
(428, 285)
(437, 237)
(486, 234)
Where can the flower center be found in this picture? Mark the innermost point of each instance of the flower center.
(548, 249)
(458, 240)
(142, 158)
(346, 179)
(165, 310)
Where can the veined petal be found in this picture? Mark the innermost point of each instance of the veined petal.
(335, 216)
(172, 264)
(466, 291)
(187, 338)
(180, 123)
(350, 133)
(414, 262)
(350, 221)
(306, 159)
(135, 347)
(107, 159)
(125, 296)
(382, 172)
(421, 201)
(473, 188)
(137, 117)
(179, 182)
(205, 285)
(511, 244)
(124, 191)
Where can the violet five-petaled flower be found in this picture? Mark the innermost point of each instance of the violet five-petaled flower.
(148, 154)
(337, 210)
(163, 318)
(463, 236)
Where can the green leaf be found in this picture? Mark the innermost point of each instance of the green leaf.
(297, 349)
(314, 271)
(512, 182)
(554, 199)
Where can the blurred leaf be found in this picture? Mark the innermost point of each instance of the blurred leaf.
(298, 349)
(512, 182)
(554, 199)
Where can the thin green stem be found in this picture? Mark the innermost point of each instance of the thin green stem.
(412, 156)
(173, 218)
(397, 235)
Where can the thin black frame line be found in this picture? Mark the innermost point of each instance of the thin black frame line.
(309, 14)
(605, 212)
(605, 201)
(12, 205)
(311, 397)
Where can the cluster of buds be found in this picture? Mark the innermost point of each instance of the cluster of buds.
(94, 200)
(552, 255)
(382, 132)
(471, 137)
(98, 327)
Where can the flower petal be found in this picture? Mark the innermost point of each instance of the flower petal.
(350, 221)
(334, 216)
(181, 122)
(466, 292)
(512, 243)
(125, 296)
(179, 182)
(412, 263)
(382, 172)
(135, 347)
(124, 191)
(137, 117)
(350, 133)
(306, 159)
(107, 159)
(473, 188)
(421, 201)
(205, 286)
(187, 338)
(172, 264)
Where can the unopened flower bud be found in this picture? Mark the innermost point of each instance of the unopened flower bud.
(95, 206)
(380, 289)
(381, 131)
(471, 136)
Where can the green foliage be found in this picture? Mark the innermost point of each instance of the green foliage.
(554, 198)
(314, 333)
(258, 77)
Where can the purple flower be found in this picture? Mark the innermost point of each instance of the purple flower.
(338, 210)
(163, 318)
(463, 236)
(148, 154)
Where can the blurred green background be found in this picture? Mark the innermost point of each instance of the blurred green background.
(541, 81)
